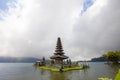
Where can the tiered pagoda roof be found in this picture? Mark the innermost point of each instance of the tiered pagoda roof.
(59, 54)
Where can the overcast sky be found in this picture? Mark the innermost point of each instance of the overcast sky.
(88, 28)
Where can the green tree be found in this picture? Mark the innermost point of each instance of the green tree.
(52, 61)
(113, 56)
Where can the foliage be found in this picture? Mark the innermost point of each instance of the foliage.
(52, 61)
(85, 65)
(113, 56)
(49, 68)
(104, 79)
(72, 68)
(118, 76)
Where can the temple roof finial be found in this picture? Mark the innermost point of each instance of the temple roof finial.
(59, 45)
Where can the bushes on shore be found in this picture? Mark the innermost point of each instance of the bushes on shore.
(113, 56)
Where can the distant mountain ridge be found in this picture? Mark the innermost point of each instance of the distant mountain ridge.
(32, 59)
(98, 59)
(18, 59)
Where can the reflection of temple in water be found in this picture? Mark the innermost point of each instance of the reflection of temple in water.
(58, 76)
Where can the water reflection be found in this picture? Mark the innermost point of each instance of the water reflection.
(113, 67)
(42, 72)
(35, 68)
(50, 75)
(57, 76)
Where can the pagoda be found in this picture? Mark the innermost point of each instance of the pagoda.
(59, 56)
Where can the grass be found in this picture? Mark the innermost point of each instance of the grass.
(104, 79)
(118, 75)
(73, 68)
(49, 68)
(57, 69)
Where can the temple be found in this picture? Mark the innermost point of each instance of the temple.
(59, 56)
(59, 61)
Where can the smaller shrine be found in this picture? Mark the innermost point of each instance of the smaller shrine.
(59, 55)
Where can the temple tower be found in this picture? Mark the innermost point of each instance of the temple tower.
(59, 54)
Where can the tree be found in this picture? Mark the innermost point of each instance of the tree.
(52, 61)
(113, 56)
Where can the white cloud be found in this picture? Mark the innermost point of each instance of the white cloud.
(32, 27)
(97, 30)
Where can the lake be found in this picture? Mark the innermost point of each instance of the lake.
(26, 71)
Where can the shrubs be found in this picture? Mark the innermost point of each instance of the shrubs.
(85, 65)
(113, 56)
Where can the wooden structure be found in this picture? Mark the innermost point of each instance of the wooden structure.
(59, 56)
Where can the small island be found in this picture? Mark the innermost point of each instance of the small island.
(59, 61)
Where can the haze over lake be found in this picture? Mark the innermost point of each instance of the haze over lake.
(26, 71)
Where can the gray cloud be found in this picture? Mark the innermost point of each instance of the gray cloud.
(99, 32)
(32, 28)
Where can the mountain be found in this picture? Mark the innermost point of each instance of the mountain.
(98, 59)
(18, 59)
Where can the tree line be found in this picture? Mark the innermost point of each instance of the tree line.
(112, 56)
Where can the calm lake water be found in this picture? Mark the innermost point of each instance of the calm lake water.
(25, 71)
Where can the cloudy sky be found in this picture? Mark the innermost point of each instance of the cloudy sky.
(88, 28)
